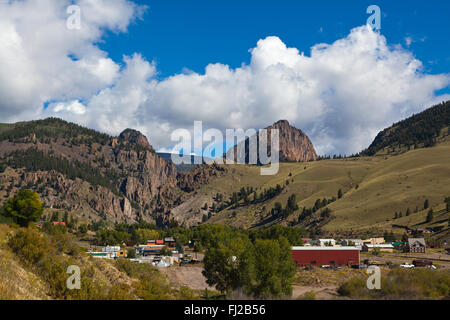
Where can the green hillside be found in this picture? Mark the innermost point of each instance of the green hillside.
(374, 189)
(420, 130)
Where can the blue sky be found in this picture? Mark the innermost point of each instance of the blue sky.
(191, 34)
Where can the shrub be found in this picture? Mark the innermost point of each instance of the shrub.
(402, 284)
(29, 245)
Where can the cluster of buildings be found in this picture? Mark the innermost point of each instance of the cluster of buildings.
(154, 247)
(109, 252)
(160, 253)
(333, 252)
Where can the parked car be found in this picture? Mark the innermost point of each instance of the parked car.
(406, 265)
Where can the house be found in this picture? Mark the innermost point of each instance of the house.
(353, 242)
(170, 242)
(398, 245)
(383, 247)
(319, 256)
(416, 245)
(378, 240)
(308, 242)
(327, 242)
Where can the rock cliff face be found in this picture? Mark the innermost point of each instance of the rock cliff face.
(201, 174)
(295, 145)
(77, 196)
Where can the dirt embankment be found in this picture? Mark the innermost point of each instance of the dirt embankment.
(188, 276)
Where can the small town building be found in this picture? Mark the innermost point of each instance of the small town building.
(398, 245)
(170, 242)
(416, 245)
(102, 255)
(327, 242)
(353, 243)
(383, 247)
(319, 256)
(113, 249)
(378, 240)
(308, 242)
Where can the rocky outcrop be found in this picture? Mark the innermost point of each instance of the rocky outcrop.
(294, 146)
(77, 196)
(201, 174)
(135, 137)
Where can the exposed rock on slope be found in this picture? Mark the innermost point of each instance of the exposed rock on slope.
(201, 174)
(135, 137)
(295, 145)
(94, 175)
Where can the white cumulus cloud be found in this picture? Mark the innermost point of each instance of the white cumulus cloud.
(341, 95)
(42, 60)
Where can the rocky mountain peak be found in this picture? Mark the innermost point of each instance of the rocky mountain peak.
(295, 145)
(135, 137)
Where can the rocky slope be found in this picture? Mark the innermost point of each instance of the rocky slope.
(96, 176)
(295, 145)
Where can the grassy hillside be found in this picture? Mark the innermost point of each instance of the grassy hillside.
(374, 188)
(33, 266)
(420, 130)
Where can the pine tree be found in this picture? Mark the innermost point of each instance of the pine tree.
(430, 215)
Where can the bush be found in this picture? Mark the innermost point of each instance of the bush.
(402, 284)
(131, 253)
(29, 245)
(44, 254)
(152, 284)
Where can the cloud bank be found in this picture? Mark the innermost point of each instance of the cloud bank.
(342, 94)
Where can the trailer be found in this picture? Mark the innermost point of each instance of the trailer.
(422, 263)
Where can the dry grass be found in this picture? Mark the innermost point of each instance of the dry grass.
(16, 282)
(386, 184)
(318, 277)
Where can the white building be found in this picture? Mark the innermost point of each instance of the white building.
(327, 242)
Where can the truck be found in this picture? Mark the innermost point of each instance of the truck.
(406, 265)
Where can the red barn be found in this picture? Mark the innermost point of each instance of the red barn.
(320, 256)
